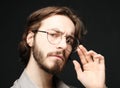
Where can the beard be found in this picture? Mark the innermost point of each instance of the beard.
(40, 59)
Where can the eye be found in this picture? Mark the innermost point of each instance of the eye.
(70, 40)
(54, 35)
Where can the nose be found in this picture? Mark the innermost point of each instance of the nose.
(62, 44)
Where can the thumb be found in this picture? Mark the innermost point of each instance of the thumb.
(77, 67)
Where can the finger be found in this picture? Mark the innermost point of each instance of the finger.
(88, 57)
(99, 58)
(91, 53)
(96, 57)
(83, 49)
(77, 66)
(82, 56)
(102, 60)
(85, 53)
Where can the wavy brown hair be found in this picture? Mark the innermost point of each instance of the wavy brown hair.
(34, 22)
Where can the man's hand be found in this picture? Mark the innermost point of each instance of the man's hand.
(92, 72)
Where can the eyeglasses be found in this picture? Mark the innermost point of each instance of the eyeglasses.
(56, 37)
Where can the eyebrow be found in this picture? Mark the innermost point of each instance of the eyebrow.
(58, 30)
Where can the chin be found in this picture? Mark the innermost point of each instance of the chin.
(54, 68)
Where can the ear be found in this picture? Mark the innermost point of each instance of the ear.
(30, 38)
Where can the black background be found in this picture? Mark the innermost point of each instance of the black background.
(102, 18)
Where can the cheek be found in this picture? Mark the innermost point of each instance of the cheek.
(43, 46)
(43, 42)
(67, 54)
(68, 51)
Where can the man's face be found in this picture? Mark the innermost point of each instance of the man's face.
(49, 56)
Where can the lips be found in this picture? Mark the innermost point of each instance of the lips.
(57, 56)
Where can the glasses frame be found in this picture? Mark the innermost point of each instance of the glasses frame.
(73, 47)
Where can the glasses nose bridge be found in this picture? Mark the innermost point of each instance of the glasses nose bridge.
(63, 37)
(63, 42)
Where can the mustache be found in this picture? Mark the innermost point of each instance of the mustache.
(59, 53)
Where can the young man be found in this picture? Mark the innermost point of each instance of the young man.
(51, 35)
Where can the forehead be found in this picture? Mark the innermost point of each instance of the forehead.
(58, 22)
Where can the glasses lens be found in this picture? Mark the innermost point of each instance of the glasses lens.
(54, 38)
(75, 45)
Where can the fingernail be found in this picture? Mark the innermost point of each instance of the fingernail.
(81, 46)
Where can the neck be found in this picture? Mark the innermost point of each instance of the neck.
(41, 78)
